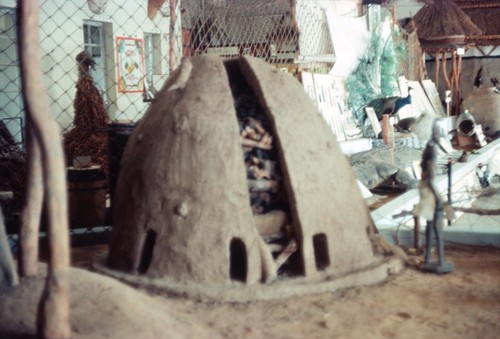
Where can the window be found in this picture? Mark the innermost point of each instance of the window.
(147, 251)
(152, 61)
(94, 44)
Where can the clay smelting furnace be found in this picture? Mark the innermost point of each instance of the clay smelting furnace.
(187, 214)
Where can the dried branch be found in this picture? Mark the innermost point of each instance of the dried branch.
(478, 211)
(53, 310)
(32, 211)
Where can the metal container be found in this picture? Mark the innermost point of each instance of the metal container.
(484, 105)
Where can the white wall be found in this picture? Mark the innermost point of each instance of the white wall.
(61, 39)
(314, 38)
(407, 8)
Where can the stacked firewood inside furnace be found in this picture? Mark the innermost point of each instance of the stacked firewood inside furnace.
(268, 197)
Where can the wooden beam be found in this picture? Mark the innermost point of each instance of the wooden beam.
(478, 211)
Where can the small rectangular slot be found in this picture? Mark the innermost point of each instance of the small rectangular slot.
(320, 243)
(147, 251)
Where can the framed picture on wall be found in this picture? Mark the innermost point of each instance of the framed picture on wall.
(130, 62)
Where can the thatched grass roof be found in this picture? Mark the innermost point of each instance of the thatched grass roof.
(444, 23)
(486, 15)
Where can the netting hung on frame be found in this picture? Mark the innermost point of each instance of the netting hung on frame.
(264, 29)
(279, 31)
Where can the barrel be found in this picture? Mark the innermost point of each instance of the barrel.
(87, 196)
(118, 135)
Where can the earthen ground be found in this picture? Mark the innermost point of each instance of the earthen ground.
(462, 304)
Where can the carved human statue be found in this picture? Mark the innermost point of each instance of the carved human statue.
(431, 205)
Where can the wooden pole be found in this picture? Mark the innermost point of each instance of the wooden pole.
(173, 19)
(454, 79)
(31, 214)
(8, 274)
(53, 309)
(416, 232)
(478, 211)
(436, 71)
(386, 129)
(293, 15)
(444, 72)
(453, 71)
(458, 81)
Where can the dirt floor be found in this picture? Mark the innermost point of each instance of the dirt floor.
(462, 304)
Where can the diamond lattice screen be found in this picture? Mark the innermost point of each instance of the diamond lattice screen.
(134, 54)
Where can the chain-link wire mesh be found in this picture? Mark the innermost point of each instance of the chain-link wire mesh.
(265, 29)
(285, 33)
(129, 56)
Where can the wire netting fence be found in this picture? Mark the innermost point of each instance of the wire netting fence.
(97, 97)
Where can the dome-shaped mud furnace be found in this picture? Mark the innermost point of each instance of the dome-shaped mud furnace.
(232, 186)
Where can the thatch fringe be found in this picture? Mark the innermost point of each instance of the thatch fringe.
(466, 4)
(487, 37)
(486, 19)
(443, 19)
(485, 15)
(481, 6)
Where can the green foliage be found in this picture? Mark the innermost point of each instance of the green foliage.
(400, 50)
(376, 75)
(388, 70)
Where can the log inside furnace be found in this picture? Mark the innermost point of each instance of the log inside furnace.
(268, 198)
